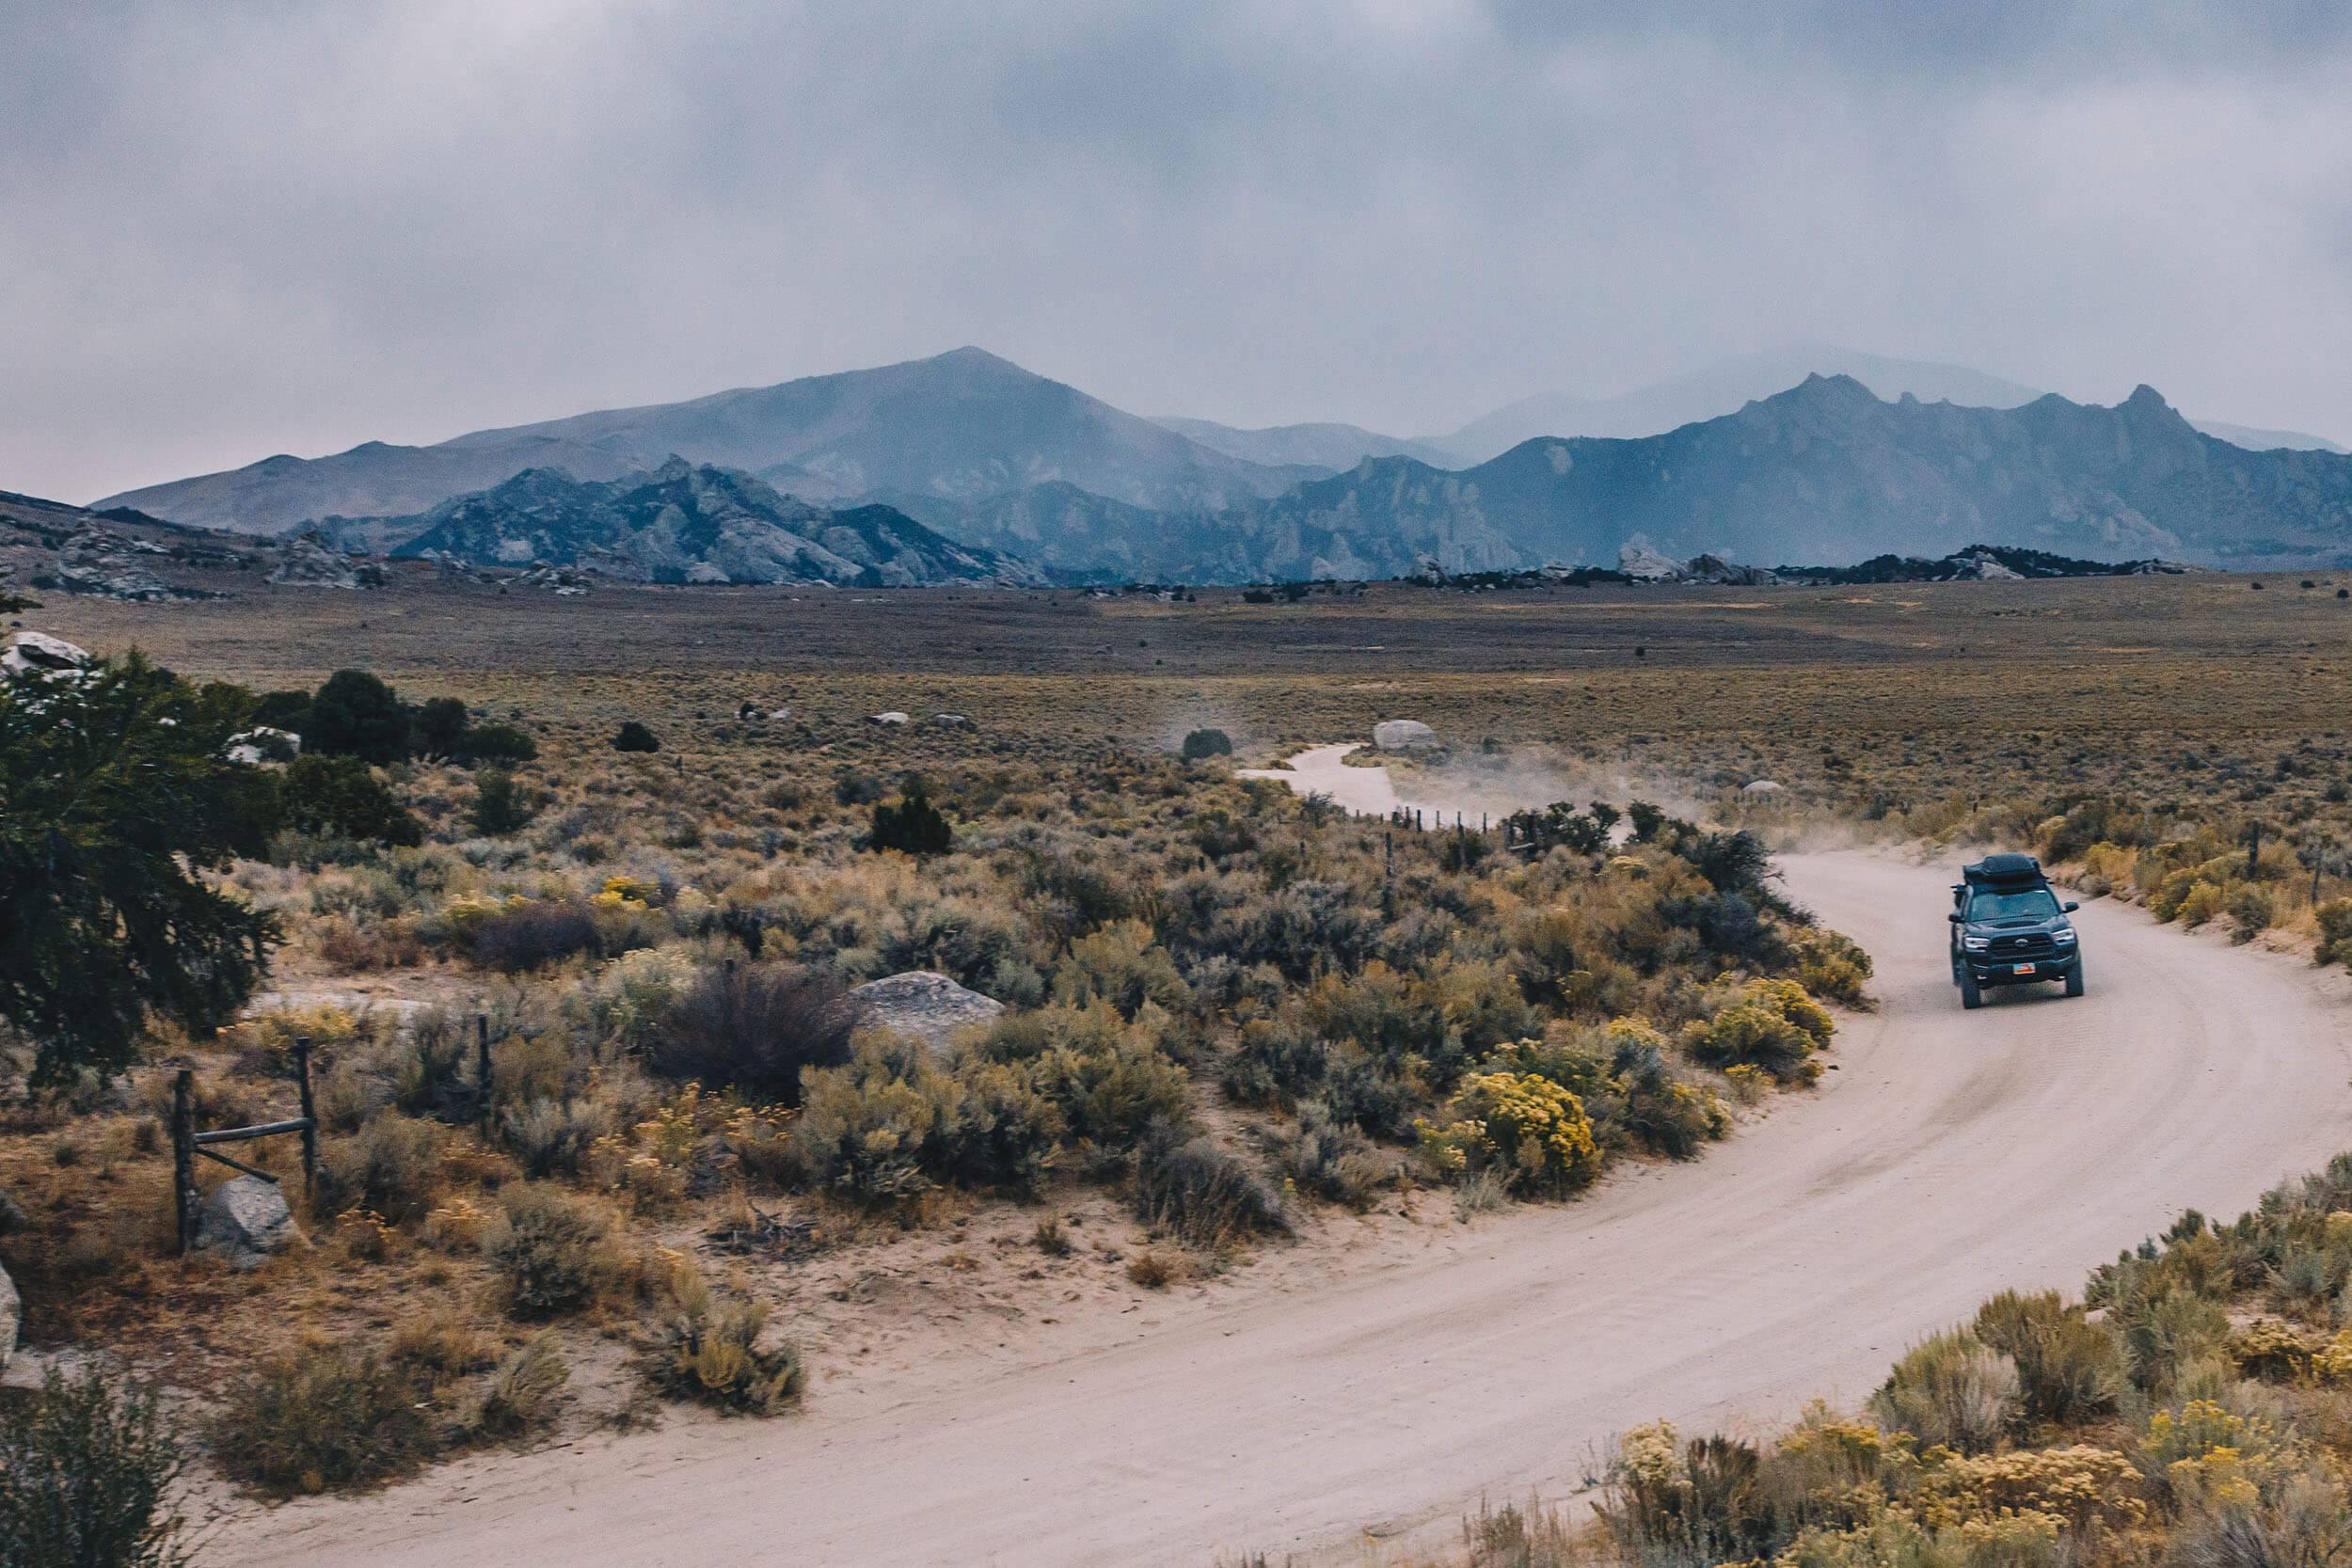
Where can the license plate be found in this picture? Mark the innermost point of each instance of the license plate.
(2021, 969)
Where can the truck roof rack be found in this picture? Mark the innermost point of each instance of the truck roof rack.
(2004, 869)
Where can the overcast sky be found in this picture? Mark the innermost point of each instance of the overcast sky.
(233, 230)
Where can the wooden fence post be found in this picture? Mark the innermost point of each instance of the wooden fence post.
(184, 1158)
(310, 1115)
(482, 1067)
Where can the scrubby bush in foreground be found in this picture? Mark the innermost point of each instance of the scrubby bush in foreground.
(712, 1350)
(753, 1029)
(1201, 1194)
(319, 1418)
(86, 1475)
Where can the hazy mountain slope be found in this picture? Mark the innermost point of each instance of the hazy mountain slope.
(1314, 446)
(683, 523)
(370, 479)
(1827, 472)
(1722, 388)
(2256, 439)
(964, 424)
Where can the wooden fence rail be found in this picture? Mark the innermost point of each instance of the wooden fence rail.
(187, 1143)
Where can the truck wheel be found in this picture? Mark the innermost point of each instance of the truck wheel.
(2074, 979)
(1970, 995)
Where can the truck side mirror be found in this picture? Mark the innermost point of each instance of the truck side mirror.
(1955, 917)
(2072, 908)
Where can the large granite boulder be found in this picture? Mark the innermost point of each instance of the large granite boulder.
(925, 1005)
(35, 653)
(1404, 735)
(1643, 564)
(247, 1218)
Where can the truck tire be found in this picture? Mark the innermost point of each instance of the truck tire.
(1971, 996)
(2074, 979)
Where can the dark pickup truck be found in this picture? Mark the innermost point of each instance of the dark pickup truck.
(2009, 929)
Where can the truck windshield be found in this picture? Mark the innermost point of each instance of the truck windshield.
(2033, 903)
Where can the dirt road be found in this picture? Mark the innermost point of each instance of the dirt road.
(1950, 1155)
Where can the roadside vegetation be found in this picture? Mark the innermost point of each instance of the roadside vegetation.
(2192, 1409)
(1226, 1013)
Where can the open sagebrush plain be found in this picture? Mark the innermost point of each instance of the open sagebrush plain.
(1062, 1332)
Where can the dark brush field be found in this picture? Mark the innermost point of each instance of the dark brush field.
(2197, 660)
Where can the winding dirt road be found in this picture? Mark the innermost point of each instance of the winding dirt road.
(1951, 1154)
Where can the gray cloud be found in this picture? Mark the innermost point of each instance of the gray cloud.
(233, 230)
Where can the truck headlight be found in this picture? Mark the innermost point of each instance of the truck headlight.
(1975, 945)
(2064, 938)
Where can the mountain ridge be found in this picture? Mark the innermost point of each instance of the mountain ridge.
(685, 522)
(965, 424)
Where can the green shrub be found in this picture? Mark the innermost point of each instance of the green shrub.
(1950, 1388)
(865, 1130)
(355, 715)
(551, 1252)
(500, 806)
(2070, 1370)
(2251, 911)
(914, 825)
(635, 737)
(321, 1418)
(1199, 745)
(341, 797)
(87, 1478)
(494, 743)
(1122, 964)
(437, 725)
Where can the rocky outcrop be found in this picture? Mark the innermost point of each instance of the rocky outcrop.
(1643, 564)
(303, 561)
(246, 1219)
(1404, 735)
(37, 653)
(925, 1005)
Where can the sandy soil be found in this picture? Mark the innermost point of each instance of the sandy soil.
(1340, 1413)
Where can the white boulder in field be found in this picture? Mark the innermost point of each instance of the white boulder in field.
(1404, 735)
(37, 653)
(924, 1004)
(1762, 787)
(892, 717)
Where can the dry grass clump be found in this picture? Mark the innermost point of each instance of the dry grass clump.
(714, 1349)
(1194, 1189)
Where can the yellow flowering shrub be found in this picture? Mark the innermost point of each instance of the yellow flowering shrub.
(1525, 1128)
(1790, 1001)
(2079, 1484)
(464, 915)
(2267, 1348)
(2331, 1362)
